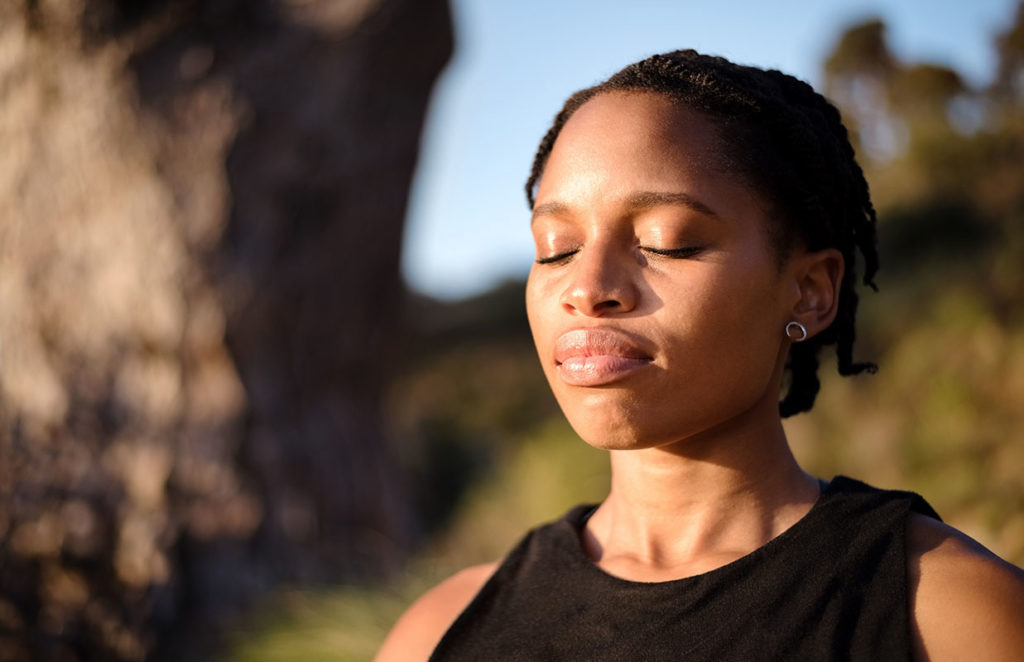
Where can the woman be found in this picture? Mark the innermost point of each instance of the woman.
(696, 225)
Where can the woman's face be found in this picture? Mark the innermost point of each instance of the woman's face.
(657, 302)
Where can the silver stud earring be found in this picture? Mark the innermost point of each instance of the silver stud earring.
(796, 327)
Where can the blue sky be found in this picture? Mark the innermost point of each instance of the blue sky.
(516, 62)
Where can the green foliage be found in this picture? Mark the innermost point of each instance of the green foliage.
(923, 89)
(1009, 85)
(549, 471)
(863, 47)
(455, 413)
(337, 626)
(542, 476)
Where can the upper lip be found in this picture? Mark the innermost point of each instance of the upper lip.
(600, 341)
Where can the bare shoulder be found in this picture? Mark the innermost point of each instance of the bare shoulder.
(421, 627)
(966, 603)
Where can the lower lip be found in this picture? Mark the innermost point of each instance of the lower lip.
(598, 370)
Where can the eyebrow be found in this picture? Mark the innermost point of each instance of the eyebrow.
(647, 199)
(639, 201)
(549, 209)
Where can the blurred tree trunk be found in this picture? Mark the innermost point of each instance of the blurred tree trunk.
(201, 209)
(309, 268)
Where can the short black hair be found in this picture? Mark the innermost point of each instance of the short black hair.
(791, 144)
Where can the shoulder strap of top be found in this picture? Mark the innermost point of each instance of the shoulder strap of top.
(844, 484)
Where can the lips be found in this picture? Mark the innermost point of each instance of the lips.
(595, 357)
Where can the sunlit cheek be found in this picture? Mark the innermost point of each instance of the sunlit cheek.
(542, 288)
(536, 300)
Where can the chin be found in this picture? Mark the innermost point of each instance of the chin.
(612, 429)
(610, 422)
(603, 417)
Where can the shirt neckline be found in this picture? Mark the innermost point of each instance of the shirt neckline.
(576, 520)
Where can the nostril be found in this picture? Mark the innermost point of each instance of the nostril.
(598, 298)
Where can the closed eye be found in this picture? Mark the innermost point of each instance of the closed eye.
(678, 253)
(557, 259)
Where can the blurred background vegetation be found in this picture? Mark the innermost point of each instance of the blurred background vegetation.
(203, 455)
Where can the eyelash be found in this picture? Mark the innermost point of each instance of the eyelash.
(673, 253)
(556, 259)
(677, 253)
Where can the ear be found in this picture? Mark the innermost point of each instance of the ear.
(817, 276)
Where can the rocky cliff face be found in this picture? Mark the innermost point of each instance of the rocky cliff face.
(201, 207)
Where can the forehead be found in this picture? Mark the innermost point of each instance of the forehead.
(642, 115)
(621, 142)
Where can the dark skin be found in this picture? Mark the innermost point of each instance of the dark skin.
(658, 264)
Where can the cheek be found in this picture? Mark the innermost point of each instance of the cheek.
(751, 347)
(538, 311)
(726, 333)
(723, 301)
(533, 301)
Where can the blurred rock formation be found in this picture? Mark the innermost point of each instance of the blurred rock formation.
(201, 207)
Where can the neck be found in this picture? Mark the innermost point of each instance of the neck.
(680, 510)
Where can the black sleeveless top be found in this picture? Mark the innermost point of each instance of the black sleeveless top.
(831, 587)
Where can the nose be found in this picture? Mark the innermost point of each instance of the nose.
(602, 282)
